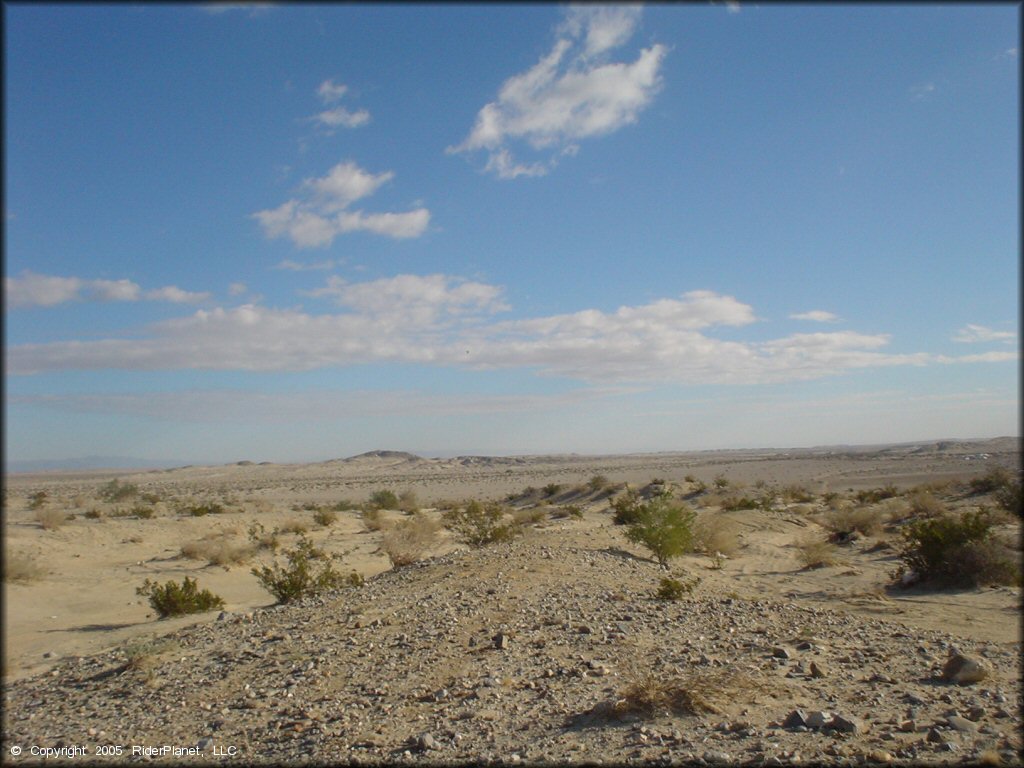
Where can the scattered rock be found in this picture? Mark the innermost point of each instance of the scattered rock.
(964, 670)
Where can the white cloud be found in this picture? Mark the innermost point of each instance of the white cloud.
(971, 334)
(572, 93)
(322, 215)
(295, 266)
(237, 289)
(922, 92)
(254, 9)
(816, 316)
(731, 6)
(341, 117)
(443, 320)
(329, 91)
(33, 290)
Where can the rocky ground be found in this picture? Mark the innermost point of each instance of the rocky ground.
(544, 650)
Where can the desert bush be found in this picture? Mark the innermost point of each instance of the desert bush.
(922, 504)
(479, 524)
(732, 503)
(598, 483)
(173, 599)
(294, 526)
(1011, 498)
(797, 494)
(372, 519)
(259, 537)
(627, 507)
(706, 690)
(115, 490)
(300, 578)
(325, 517)
(94, 514)
(218, 550)
(570, 510)
(143, 513)
(523, 517)
(674, 589)
(713, 533)
(960, 551)
(664, 527)
(150, 497)
(832, 500)
(721, 482)
(343, 505)
(51, 519)
(37, 500)
(383, 500)
(552, 489)
(22, 568)
(875, 495)
(993, 480)
(842, 522)
(816, 552)
(409, 540)
(408, 502)
(206, 508)
(144, 656)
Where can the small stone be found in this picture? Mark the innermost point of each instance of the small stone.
(908, 726)
(817, 670)
(500, 641)
(204, 744)
(425, 741)
(975, 713)
(780, 653)
(961, 724)
(795, 719)
(935, 736)
(964, 670)
(847, 724)
(717, 757)
(880, 756)
(818, 719)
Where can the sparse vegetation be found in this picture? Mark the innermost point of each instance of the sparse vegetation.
(372, 519)
(552, 489)
(325, 517)
(816, 552)
(218, 550)
(206, 508)
(921, 503)
(664, 527)
(22, 568)
(409, 540)
(259, 537)
(51, 519)
(721, 482)
(173, 599)
(300, 578)
(843, 522)
(627, 508)
(115, 491)
(701, 691)
(294, 526)
(875, 495)
(383, 500)
(408, 502)
(523, 517)
(479, 524)
(598, 483)
(713, 533)
(957, 551)
(674, 589)
(37, 500)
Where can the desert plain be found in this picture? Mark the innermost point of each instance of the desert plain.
(549, 648)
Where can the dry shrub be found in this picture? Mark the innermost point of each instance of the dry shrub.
(705, 690)
(51, 519)
(373, 519)
(714, 533)
(22, 568)
(866, 520)
(218, 550)
(816, 552)
(528, 516)
(294, 526)
(409, 540)
(408, 502)
(325, 517)
(922, 504)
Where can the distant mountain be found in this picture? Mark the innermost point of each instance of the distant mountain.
(90, 462)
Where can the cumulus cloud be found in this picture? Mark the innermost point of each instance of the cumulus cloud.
(338, 116)
(572, 93)
(33, 290)
(448, 321)
(816, 316)
(971, 334)
(321, 214)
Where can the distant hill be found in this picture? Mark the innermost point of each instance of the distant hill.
(90, 462)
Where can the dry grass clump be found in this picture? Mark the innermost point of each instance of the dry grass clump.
(528, 516)
(325, 517)
(51, 519)
(714, 533)
(373, 519)
(866, 520)
(217, 549)
(921, 503)
(22, 568)
(409, 540)
(705, 690)
(408, 501)
(816, 552)
(294, 526)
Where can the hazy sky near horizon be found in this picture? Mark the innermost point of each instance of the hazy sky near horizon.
(291, 233)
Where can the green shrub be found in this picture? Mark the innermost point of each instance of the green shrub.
(37, 500)
(721, 482)
(479, 524)
(261, 539)
(552, 489)
(664, 527)
(300, 578)
(115, 490)
(201, 510)
(960, 551)
(383, 500)
(143, 513)
(674, 589)
(875, 495)
(598, 483)
(993, 480)
(1010, 498)
(627, 508)
(173, 599)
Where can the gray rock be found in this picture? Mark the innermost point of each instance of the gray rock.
(818, 719)
(794, 719)
(818, 670)
(961, 724)
(425, 741)
(847, 724)
(780, 653)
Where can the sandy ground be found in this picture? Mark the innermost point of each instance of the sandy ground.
(85, 599)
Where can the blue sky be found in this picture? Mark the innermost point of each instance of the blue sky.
(291, 233)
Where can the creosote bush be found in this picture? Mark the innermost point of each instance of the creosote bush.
(383, 500)
(845, 521)
(115, 490)
(713, 533)
(173, 599)
(663, 526)
(300, 578)
(957, 551)
(674, 589)
(816, 552)
(325, 517)
(206, 508)
(479, 524)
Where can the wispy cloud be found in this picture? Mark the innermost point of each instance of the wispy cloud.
(972, 334)
(816, 316)
(572, 93)
(337, 116)
(316, 266)
(448, 321)
(321, 213)
(30, 289)
(922, 92)
(254, 9)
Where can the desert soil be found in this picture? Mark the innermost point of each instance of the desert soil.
(525, 652)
